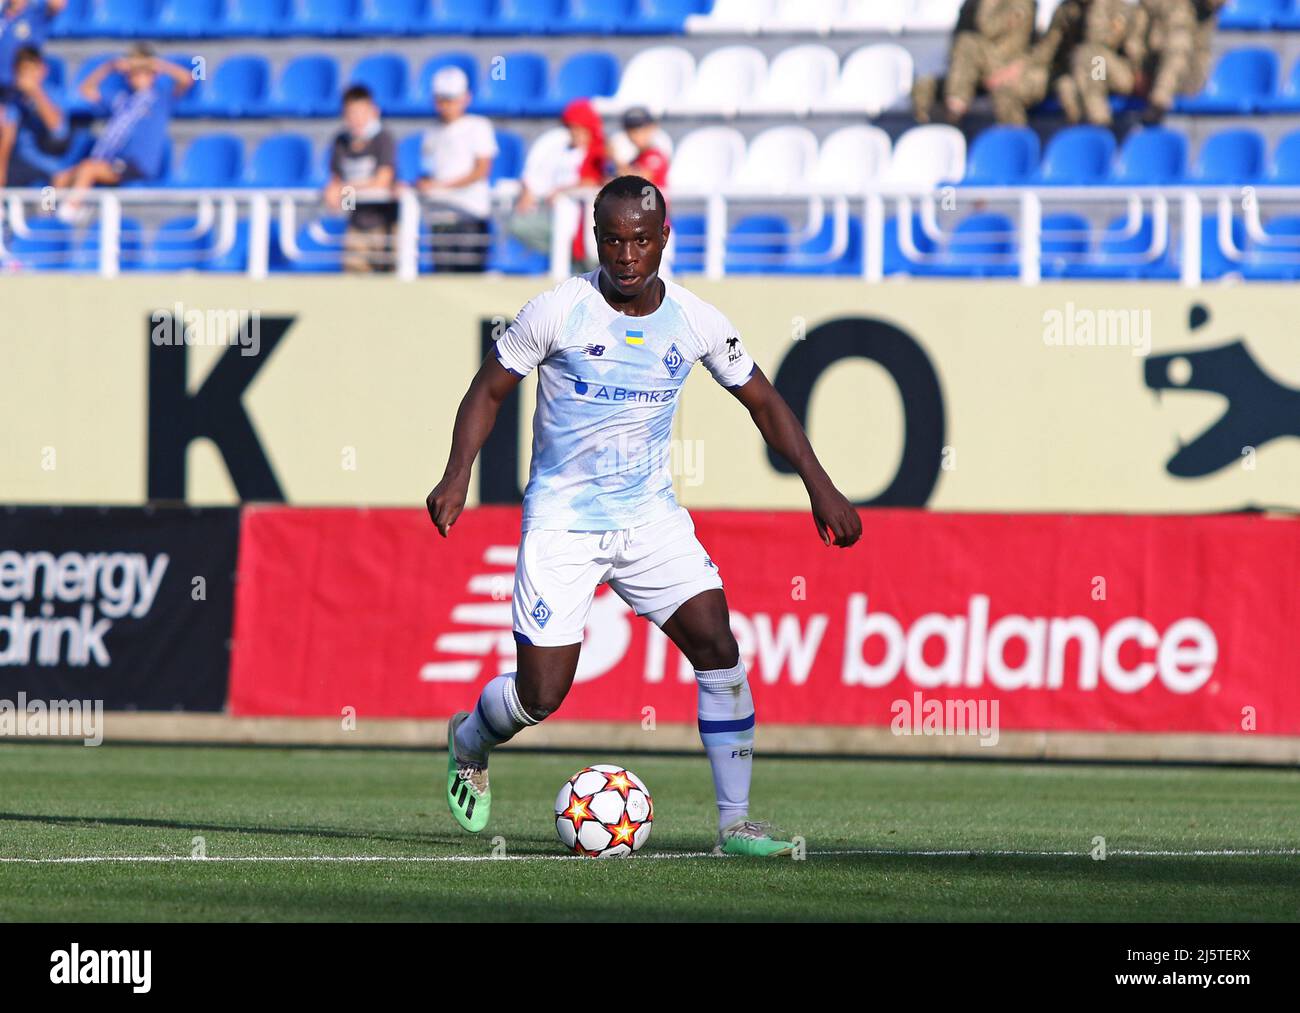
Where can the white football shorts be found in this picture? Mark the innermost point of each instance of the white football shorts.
(654, 568)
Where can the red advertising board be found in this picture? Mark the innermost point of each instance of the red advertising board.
(1101, 623)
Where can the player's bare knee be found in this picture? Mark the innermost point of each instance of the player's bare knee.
(715, 653)
(540, 703)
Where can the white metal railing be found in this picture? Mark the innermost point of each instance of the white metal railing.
(274, 223)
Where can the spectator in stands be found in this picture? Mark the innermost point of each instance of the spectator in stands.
(133, 144)
(1112, 41)
(1047, 66)
(456, 157)
(581, 167)
(23, 24)
(38, 126)
(1003, 30)
(1169, 50)
(363, 168)
(641, 148)
(1207, 22)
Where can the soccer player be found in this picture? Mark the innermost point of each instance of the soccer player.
(613, 349)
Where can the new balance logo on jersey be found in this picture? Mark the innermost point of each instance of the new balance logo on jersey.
(596, 350)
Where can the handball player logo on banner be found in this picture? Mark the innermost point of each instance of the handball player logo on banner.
(1260, 409)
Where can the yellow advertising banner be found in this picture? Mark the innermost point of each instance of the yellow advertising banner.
(954, 395)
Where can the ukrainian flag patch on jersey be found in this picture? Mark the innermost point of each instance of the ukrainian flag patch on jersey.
(636, 337)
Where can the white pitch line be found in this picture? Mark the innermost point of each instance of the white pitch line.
(661, 856)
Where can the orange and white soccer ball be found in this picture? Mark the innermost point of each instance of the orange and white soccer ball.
(604, 811)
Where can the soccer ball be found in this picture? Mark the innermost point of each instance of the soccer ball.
(603, 811)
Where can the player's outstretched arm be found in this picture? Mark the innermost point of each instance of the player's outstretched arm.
(474, 421)
(836, 519)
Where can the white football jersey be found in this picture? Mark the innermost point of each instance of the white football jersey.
(607, 390)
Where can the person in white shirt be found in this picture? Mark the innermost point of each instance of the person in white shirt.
(455, 161)
(612, 349)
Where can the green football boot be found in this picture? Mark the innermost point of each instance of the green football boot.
(468, 796)
(751, 839)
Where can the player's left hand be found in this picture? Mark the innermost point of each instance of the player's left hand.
(837, 521)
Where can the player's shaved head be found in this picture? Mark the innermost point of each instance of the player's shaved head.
(632, 188)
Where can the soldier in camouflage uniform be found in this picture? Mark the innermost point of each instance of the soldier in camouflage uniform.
(1108, 60)
(1207, 20)
(1169, 53)
(1001, 36)
(1048, 65)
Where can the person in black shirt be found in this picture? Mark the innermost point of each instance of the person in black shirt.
(363, 167)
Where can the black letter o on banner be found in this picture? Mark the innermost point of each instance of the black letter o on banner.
(918, 384)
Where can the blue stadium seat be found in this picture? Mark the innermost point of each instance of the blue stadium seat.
(757, 244)
(1287, 98)
(1214, 262)
(1276, 258)
(520, 86)
(1235, 157)
(322, 256)
(393, 17)
(688, 243)
(663, 17)
(1077, 156)
(254, 18)
(308, 86)
(1066, 239)
(46, 247)
(322, 18)
(1288, 19)
(813, 255)
(1121, 254)
(130, 247)
(190, 104)
(522, 17)
(420, 100)
(509, 256)
(72, 22)
(1154, 156)
(282, 160)
(458, 17)
(1284, 169)
(177, 246)
(1241, 82)
(583, 75)
(1002, 156)
(385, 75)
(596, 17)
(121, 19)
(896, 262)
(190, 19)
(1253, 15)
(509, 163)
(981, 246)
(240, 88)
(408, 157)
(213, 160)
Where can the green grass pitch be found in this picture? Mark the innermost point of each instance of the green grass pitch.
(364, 835)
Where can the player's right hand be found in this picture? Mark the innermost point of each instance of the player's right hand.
(446, 502)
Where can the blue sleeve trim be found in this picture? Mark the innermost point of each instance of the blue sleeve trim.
(748, 377)
(497, 351)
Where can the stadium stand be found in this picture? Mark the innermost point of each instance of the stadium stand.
(794, 148)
